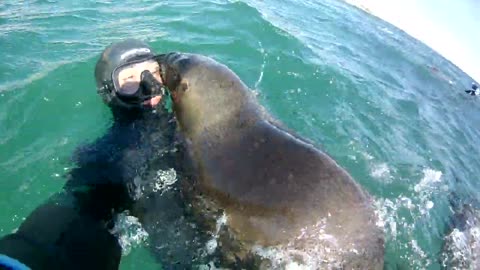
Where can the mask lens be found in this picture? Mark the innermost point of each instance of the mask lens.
(127, 77)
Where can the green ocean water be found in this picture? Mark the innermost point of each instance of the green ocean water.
(386, 107)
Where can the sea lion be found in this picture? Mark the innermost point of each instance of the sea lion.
(461, 247)
(279, 194)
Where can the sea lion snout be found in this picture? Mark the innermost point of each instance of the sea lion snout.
(173, 67)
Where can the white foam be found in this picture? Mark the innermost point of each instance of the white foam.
(317, 250)
(381, 171)
(386, 211)
(129, 232)
(208, 266)
(378, 170)
(419, 252)
(212, 244)
(428, 185)
(462, 247)
(291, 258)
(164, 180)
(459, 253)
(400, 217)
(367, 156)
(430, 179)
(396, 226)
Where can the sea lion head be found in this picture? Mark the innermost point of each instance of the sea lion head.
(205, 93)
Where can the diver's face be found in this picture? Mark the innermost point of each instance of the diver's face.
(129, 79)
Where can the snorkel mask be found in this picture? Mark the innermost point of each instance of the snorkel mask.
(135, 82)
(127, 74)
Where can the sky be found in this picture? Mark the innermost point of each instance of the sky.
(450, 27)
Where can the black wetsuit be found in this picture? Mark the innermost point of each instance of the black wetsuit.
(71, 230)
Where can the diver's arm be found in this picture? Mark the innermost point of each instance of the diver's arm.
(71, 229)
(59, 235)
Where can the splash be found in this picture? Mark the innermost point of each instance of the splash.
(431, 178)
(285, 257)
(389, 218)
(400, 216)
(313, 248)
(462, 246)
(129, 232)
(378, 170)
(212, 244)
(164, 180)
(430, 183)
(381, 171)
(395, 217)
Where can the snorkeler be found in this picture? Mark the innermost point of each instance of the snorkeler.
(72, 230)
(474, 91)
